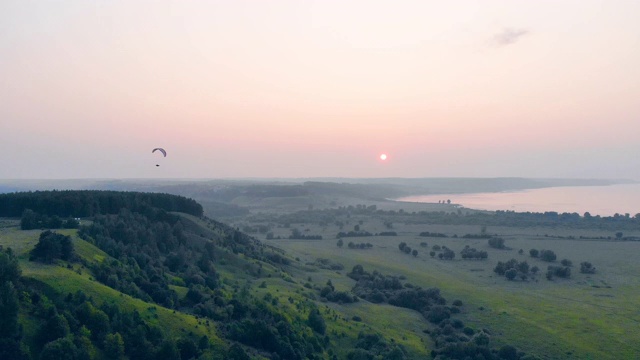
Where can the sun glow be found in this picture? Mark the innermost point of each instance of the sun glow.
(383, 157)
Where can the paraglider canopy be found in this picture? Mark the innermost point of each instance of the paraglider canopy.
(161, 150)
(164, 153)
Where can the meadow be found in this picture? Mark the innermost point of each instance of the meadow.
(588, 316)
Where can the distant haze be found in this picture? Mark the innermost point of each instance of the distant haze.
(236, 89)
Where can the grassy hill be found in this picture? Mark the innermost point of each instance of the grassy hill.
(168, 285)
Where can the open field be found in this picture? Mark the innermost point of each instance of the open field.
(584, 317)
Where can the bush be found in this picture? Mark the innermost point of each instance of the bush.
(51, 246)
(587, 268)
(448, 254)
(559, 271)
(496, 243)
(534, 253)
(548, 255)
(316, 321)
(437, 314)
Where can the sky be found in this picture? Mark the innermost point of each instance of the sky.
(234, 89)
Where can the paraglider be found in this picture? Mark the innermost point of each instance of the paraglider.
(164, 153)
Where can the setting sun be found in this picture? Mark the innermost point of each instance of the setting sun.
(383, 157)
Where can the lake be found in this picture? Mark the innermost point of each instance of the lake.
(597, 200)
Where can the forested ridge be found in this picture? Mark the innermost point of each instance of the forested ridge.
(86, 203)
(152, 253)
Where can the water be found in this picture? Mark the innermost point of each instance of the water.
(597, 200)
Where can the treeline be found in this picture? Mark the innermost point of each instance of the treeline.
(432, 234)
(86, 203)
(32, 220)
(323, 217)
(359, 233)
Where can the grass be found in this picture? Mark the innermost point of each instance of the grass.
(558, 319)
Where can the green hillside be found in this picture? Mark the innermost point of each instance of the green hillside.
(145, 282)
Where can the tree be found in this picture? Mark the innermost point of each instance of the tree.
(619, 235)
(523, 267)
(547, 255)
(496, 243)
(11, 348)
(511, 274)
(167, 350)
(51, 246)
(508, 352)
(236, 352)
(438, 313)
(316, 321)
(203, 343)
(114, 346)
(566, 262)
(55, 328)
(402, 245)
(60, 349)
(8, 310)
(9, 268)
(340, 243)
(448, 254)
(587, 268)
(414, 253)
(187, 348)
(29, 220)
(534, 253)
(432, 253)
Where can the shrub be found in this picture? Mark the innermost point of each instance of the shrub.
(316, 322)
(559, 271)
(496, 243)
(587, 268)
(437, 314)
(511, 274)
(547, 255)
(51, 246)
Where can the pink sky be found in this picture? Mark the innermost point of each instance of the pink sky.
(319, 88)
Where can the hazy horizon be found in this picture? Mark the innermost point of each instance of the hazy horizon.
(319, 89)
